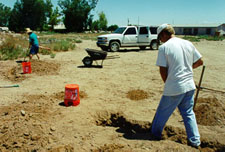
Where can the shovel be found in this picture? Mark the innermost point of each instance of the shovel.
(27, 54)
(199, 86)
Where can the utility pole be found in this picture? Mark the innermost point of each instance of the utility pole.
(138, 20)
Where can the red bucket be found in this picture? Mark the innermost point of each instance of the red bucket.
(26, 67)
(71, 95)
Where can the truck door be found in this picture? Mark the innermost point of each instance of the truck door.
(130, 36)
(143, 36)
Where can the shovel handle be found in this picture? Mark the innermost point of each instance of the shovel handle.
(199, 87)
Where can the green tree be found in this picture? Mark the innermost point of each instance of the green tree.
(76, 13)
(16, 18)
(54, 18)
(95, 25)
(102, 21)
(89, 22)
(112, 27)
(29, 13)
(48, 8)
(4, 15)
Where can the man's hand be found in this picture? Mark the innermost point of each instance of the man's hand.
(163, 72)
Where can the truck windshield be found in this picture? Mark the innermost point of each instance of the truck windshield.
(120, 30)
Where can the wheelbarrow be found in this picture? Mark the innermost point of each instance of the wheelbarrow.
(95, 55)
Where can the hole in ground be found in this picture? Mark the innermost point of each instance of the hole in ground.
(134, 129)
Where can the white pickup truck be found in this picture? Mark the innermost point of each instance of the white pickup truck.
(129, 36)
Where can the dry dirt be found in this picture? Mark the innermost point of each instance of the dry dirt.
(117, 103)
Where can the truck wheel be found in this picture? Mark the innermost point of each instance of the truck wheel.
(142, 47)
(114, 46)
(154, 45)
(87, 61)
(104, 48)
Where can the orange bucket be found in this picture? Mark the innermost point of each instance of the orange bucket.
(71, 95)
(26, 67)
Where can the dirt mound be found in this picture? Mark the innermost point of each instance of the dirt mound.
(110, 148)
(65, 148)
(14, 74)
(60, 95)
(40, 67)
(137, 95)
(210, 112)
(27, 126)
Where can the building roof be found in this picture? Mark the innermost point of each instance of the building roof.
(198, 25)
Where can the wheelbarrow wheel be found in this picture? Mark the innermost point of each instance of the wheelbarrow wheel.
(87, 61)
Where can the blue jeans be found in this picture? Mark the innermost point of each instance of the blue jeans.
(167, 105)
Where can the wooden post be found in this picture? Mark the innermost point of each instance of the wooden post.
(198, 87)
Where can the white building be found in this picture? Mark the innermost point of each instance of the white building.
(59, 27)
(214, 29)
(2, 29)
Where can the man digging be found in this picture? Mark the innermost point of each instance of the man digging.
(176, 60)
(33, 43)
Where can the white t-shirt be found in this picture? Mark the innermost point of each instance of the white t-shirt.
(178, 56)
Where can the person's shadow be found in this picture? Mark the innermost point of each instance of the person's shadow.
(132, 130)
(136, 133)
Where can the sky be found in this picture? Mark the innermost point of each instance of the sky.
(156, 12)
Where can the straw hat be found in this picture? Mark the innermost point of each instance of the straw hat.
(28, 30)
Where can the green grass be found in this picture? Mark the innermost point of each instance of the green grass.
(52, 55)
(10, 51)
(78, 41)
(44, 52)
(63, 46)
(212, 38)
(192, 38)
(204, 37)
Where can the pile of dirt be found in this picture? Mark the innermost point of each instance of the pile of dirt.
(110, 148)
(60, 95)
(11, 71)
(27, 126)
(40, 67)
(66, 148)
(14, 74)
(210, 112)
(137, 95)
(83, 94)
